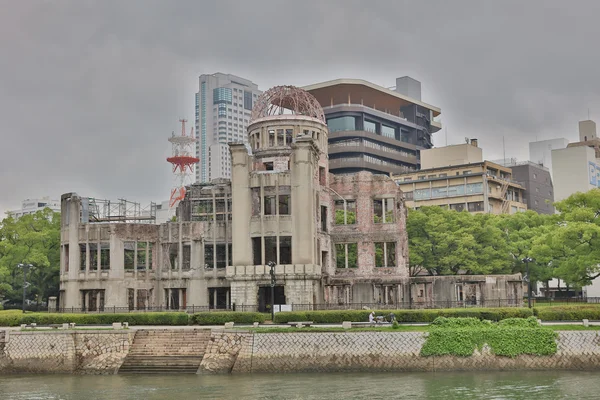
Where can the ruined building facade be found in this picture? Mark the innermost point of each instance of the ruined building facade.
(334, 239)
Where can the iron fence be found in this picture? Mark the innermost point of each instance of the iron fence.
(537, 301)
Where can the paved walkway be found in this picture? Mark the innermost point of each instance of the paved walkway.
(136, 327)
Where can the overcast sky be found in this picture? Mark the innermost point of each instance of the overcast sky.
(90, 90)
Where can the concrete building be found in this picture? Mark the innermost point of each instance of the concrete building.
(539, 191)
(577, 167)
(164, 213)
(536, 179)
(31, 206)
(372, 128)
(457, 177)
(223, 106)
(540, 152)
(335, 240)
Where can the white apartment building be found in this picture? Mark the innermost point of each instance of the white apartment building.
(31, 206)
(577, 167)
(223, 107)
(540, 152)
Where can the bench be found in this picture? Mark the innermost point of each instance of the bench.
(301, 323)
(35, 326)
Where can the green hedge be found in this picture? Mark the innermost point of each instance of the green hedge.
(338, 316)
(219, 318)
(568, 313)
(509, 338)
(150, 318)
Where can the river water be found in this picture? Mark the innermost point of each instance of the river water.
(544, 385)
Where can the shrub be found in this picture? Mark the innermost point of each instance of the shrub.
(568, 313)
(150, 318)
(219, 318)
(338, 316)
(512, 337)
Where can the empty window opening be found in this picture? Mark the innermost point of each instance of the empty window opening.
(271, 138)
(269, 166)
(322, 176)
(218, 298)
(174, 256)
(284, 204)
(345, 212)
(82, 257)
(385, 254)
(104, 256)
(223, 255)
(186, 257)
(141, 255)
(324, 218)
(269, 202)
(285, 250)
(383, 211)
(257, 251)
(346, 255)
(129, 255)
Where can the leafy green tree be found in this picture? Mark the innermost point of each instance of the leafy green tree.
(32, 239)
(572, 246)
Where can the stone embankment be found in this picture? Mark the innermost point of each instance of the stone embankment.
(237, 351)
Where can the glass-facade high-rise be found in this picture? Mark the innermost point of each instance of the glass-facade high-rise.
(223, 108)
(372, 128)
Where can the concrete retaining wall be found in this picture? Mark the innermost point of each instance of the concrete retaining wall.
(389, 351)
(101, 352)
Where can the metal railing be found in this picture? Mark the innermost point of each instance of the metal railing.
(417, 304)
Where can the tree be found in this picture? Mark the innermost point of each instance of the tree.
(572, 246)
(445, 242)
(521, 230)
(32, 239)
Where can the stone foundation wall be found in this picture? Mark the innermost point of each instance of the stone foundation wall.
(385, 351)
(236, 351)
(92, 352)
(223, 350)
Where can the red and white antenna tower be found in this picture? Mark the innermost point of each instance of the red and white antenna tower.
(183, 160)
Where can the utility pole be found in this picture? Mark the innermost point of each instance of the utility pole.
(271, 265)
(25, 267)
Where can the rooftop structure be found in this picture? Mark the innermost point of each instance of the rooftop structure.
(373, 128)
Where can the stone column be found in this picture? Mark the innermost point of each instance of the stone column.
(241, 205)
(304, 202)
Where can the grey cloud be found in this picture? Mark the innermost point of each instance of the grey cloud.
(90, 90)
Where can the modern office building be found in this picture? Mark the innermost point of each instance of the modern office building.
(457, 177)
(223, 107)
(373, 128)
(577, 167)
(540, 152)
(31, 206)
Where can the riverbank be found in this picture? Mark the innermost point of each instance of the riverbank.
(244, 351)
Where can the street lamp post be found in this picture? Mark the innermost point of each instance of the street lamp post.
(25, 267)
(527, 260)
(271, 265)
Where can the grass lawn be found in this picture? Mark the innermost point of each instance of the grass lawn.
(574, 327)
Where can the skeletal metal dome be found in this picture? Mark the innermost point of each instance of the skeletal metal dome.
(287, 99)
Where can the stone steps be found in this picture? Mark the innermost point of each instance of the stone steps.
(165, 351)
